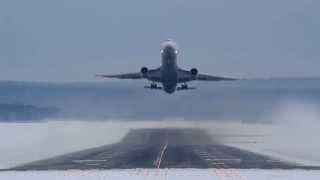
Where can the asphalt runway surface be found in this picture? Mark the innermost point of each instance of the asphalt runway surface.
(162, 148)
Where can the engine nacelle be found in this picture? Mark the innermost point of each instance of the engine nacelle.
(144, 71)
(194, 72)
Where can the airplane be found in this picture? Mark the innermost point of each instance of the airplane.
(169, 74)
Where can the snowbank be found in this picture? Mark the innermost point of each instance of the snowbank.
(168, 174)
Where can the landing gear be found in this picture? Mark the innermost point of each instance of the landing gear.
(153, 86)
(184, 86)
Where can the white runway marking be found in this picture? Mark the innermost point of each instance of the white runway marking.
(227, 159)
(161, 155)
(158, 163)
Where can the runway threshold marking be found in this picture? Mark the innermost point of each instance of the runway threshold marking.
(221, 169)
(232, 173)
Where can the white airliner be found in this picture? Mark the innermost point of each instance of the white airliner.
(168, 74)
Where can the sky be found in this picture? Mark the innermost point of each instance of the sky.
(71, 40)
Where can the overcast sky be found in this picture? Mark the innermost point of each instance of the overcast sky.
(71, 40)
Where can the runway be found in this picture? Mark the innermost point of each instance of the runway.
(162, 148)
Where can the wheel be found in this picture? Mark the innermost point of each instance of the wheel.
(184, 86)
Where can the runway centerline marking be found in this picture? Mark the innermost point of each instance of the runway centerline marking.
(161, 155)
(158, 164)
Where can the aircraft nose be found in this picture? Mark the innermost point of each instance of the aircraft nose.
(169, 50)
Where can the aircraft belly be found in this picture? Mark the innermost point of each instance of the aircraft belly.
(169, 78)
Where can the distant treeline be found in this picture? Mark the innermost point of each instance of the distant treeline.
(21, 112)
(248, 100)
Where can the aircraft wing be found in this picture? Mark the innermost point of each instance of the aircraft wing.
(152, 74)
(185, 76)
(137, 75)
(205, 77)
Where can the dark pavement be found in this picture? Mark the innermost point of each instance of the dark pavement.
(162, 148)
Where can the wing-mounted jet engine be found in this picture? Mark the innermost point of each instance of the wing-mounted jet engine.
(194, 73)
(144, 72)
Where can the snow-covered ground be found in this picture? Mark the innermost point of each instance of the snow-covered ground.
(164, 174)
(27, 142)
(292, 139)
(293, 135)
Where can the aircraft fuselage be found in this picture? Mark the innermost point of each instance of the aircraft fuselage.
(169, 68)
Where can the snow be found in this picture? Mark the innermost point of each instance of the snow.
(54, 138)
(167, 174)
